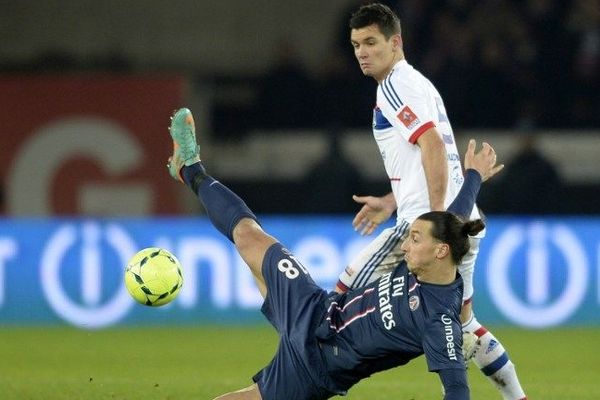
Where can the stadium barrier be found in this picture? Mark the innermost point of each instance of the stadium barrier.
(534, 273)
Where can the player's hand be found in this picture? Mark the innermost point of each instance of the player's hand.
(375, 211)
(484, 161)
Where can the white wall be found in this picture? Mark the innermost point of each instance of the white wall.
(289, 154)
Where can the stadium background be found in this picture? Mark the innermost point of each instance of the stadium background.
(86, 89)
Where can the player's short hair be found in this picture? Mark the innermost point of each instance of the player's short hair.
(379, 14)
(450, 229)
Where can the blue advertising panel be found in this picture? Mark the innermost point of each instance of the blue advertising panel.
(539, 272)
(531, 272)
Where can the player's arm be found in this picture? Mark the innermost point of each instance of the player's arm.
(375, 211)
(435, 166)
(455, 384)
(442, 345)
(479, 167)
(411, 115)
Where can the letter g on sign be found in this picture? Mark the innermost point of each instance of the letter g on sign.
(29, 182)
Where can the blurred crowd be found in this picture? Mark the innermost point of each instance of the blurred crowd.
(521, 64)
(509, 64)
(497, 63)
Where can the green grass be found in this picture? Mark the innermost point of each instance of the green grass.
(203, 362)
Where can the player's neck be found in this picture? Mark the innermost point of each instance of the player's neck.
(398, 56)
(438, 274)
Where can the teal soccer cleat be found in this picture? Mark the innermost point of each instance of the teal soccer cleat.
(185, 149)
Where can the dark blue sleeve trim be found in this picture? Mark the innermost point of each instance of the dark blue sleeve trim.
(465, 200)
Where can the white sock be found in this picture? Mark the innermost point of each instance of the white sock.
(493, 361)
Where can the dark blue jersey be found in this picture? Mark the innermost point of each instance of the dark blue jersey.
(330, 342)
(390, 322)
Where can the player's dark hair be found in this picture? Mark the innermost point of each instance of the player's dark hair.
(450, 229)
(376, 13)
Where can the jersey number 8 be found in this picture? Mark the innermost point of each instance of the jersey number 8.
(289, 269)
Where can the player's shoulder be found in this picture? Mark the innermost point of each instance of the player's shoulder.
(403, 71)
(404, 77)
(443, 297)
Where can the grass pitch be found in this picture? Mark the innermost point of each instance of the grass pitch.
(203, 362)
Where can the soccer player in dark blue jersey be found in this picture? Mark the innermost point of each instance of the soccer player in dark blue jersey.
(330, 341)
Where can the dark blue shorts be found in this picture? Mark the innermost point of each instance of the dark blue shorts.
(294, 305)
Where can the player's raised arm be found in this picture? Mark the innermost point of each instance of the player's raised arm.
(455, 384)
(479, 167)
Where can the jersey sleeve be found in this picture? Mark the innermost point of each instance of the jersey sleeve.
(405, 107)
(442, 343)
(463, 203)
(455, 384)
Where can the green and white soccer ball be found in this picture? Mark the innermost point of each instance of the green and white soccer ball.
(153, 276)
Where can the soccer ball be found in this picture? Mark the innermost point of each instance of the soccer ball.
(153, 276)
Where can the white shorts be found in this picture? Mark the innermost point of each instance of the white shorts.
(383, 254)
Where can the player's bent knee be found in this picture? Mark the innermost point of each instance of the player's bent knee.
(247, 232)
(252, 243)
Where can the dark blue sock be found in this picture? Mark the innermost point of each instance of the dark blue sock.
(223, 207)
(193, 172)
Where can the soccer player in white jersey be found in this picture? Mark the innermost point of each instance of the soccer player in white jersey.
(417, 145)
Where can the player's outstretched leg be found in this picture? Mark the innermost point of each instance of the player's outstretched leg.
(227, 212)
(493, 361)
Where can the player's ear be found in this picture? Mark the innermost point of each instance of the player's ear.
(442, 251)
(397, 42)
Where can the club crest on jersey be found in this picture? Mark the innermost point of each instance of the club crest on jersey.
(408, 118)
(413, 303)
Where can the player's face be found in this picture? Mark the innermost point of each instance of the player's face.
(376, 56)
(420, 248)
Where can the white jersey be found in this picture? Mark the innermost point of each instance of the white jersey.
(407, 106)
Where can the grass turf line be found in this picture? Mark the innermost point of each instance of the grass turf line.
(203, 362)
